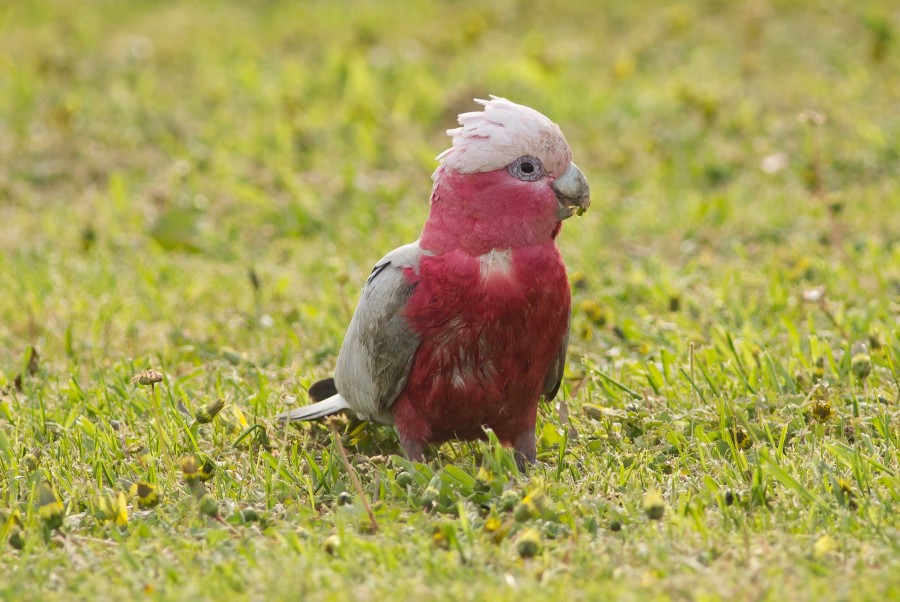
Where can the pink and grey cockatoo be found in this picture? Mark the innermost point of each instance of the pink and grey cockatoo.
(467, 327)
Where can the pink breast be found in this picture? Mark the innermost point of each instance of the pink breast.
(489, 338)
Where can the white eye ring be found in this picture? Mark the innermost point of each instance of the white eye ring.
(526, 168)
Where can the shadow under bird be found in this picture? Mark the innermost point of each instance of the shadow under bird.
(467, 327)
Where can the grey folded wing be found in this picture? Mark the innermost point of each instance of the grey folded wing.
(555, 373)
(378, 350)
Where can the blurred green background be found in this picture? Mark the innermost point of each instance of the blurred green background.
(202, 187)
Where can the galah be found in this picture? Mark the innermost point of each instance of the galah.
(467, 327)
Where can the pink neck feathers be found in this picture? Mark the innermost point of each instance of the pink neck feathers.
(478, 212)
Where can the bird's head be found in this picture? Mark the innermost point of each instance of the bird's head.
(508, 178)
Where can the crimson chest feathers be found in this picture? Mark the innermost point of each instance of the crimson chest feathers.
(490, 328)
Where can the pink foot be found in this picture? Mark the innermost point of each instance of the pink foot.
(414, 448)
(525, 445)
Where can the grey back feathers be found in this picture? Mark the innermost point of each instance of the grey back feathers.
(379, 346)
(378, 349)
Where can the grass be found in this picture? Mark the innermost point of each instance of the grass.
(199, 189)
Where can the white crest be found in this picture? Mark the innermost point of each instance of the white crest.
(502, 132)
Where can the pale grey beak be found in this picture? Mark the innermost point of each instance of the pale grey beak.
(572, 192)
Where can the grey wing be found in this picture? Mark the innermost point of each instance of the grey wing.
(555, 374)
(379, 346)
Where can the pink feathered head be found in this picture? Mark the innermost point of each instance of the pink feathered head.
(501, 133)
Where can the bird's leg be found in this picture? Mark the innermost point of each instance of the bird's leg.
(414, 448)
(525, 446)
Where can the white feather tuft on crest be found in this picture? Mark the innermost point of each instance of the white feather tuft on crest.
(502, 132)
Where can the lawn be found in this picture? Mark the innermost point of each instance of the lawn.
(199, 189)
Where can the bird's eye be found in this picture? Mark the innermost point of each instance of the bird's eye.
(526, 168)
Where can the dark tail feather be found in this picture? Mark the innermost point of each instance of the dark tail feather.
(322, 390)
